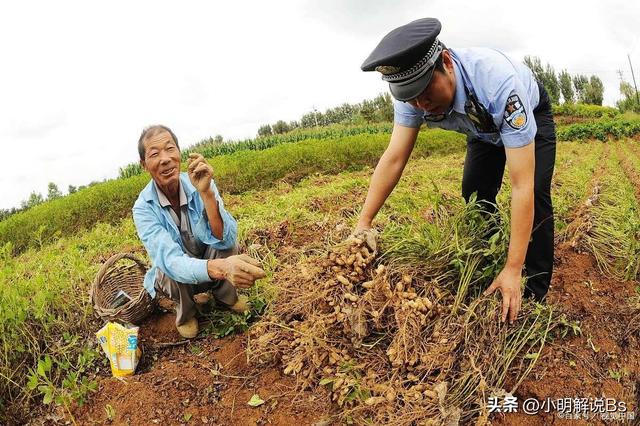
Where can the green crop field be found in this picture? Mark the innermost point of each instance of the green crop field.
(297, 195)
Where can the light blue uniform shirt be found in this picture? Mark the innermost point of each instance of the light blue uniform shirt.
(506, 88)
(161, 237)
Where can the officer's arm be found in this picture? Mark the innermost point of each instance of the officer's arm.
(521, 164)
(388, 172)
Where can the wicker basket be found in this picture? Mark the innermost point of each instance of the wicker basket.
(124, 272)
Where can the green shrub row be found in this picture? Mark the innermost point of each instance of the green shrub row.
(585, 111)
(209, 148)
(601, 130)
(234, 173)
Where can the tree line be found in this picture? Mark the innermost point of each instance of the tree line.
(376, 110)
(35, 198)
(580, 88)
(562, 87)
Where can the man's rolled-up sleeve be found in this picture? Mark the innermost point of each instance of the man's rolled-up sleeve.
(165, 253)
(229, 226)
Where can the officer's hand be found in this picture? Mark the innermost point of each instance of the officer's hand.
(368, 235)
(242, 270)
(508, 282)
(200, 172)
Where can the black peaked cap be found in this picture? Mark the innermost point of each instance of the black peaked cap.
(405, 46)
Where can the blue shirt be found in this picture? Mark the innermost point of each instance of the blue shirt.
(161, 237)
(506, 88)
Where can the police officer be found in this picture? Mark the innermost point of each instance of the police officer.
(506, 115)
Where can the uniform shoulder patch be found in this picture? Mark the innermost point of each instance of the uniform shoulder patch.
(514, 113)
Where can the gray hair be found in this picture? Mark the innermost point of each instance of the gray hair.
(152, 131)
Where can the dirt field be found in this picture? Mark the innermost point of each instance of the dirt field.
(208, 381)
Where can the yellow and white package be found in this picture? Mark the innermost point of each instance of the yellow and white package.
(120, 344)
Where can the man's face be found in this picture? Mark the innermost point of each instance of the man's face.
(438, 96)
(162, 161)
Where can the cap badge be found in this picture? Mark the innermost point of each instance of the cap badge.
(387, 69)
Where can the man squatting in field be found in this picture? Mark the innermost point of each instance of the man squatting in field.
(506, 115)
(190, 237)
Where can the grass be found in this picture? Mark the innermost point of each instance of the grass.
(312, 189)
(50, 314)
(615, 223)
(234, 173)
(576, 164)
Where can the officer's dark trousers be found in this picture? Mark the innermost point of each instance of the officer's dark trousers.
(483, 171)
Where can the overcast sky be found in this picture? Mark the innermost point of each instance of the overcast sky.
(80, 79)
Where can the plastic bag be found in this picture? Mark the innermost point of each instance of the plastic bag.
(120, 344)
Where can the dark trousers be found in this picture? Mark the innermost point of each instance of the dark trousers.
(483, 171)
(223, 291)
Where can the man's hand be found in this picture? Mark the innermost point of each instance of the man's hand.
(242, 270)
(508, 282)
(200, 172)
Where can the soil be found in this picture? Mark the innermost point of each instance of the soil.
(603, 361)
(208, 380)
(203, 381)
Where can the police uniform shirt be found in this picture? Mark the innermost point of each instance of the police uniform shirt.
(506, 88)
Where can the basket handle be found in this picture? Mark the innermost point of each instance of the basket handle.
(106, 265)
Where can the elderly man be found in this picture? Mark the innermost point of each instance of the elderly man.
(507, 118)
(190, 237)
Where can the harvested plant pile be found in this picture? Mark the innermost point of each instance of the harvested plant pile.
(398, 344)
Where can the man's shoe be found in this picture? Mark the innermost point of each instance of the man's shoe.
(189, 329)
(241, 306)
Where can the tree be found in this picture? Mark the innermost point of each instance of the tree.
(534, 64)
(545, 75)
(384, 107)
(550, 82)
(566, 88)
(629, 102)
(53, 191)
(280, 127)
(368, 111)
(265, 130)
(33, 200)
(580, 83)
(218, 139)
(294, 124)
(72, 189)
(5, 213)
(593, 92)
(310, 119)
